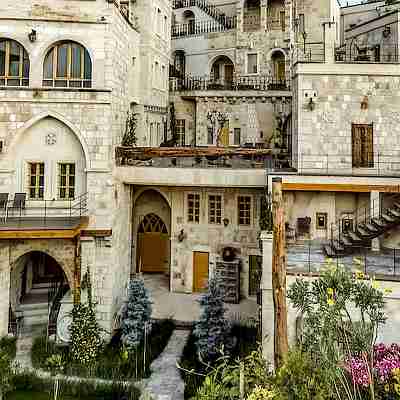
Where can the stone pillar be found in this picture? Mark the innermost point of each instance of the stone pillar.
(267, 310)
(4, 288)
(375, 200)
(329, 29)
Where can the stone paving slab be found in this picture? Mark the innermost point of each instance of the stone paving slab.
(165, 382)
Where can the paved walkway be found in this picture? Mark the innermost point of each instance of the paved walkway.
(165, 382)
(184, 307)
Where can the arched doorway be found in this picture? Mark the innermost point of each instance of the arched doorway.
(153, 245)
(190, 20)
(278, 68)
(152, 228)
(37, 285)
(222, 71)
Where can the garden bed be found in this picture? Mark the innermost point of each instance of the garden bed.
(113, 363)
(246, 339)
(8, 345)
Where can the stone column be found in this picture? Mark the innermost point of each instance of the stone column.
(329, 29)
(267, 310)
(4, 288)
(375, 201)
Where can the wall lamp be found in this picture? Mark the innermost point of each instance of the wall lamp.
(32, 35)
(311, 104)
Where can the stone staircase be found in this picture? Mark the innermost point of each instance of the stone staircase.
(34, 306)
(368, 225)
(210, 9)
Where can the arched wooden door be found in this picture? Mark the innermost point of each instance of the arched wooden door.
(153, 245)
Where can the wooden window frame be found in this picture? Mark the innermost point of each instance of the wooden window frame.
(257, 64)
(213, 217)
(246, 218)
(362, 147)
(180, 134)
(55, 80)
(67, 187)
(235, 136)
(323, 215)
(192, 218)
(36, 187)
(6, 79)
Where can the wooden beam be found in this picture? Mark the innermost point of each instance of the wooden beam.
(281, 346)
(96, 232)
(150, 152)
(340, 187)
(40, 234)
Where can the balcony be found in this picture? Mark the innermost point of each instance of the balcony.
(43, 218)
(382, 165)
(194, 157)
(205, 83)
(367, 54)
(203, 27)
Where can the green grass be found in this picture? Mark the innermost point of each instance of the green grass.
(24, 395)
(111, 364)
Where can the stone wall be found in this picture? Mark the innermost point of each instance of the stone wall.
(205, 237)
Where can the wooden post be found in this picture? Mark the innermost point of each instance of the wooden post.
(281, 346)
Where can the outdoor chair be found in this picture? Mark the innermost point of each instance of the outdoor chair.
(4, 204)
(19, 202)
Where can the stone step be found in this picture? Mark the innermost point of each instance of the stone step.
(394, 212)
(337, 246)
(329, 251)
(379, 223)
(346, 241)
(27, 308)
(355, 238)
(387, 218)
(372, 228)
(364, 233)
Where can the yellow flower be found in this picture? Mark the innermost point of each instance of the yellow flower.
(360, 274)
(388, 291)
(330, 291)
(374, 284)
(387, 388)
(330, 302)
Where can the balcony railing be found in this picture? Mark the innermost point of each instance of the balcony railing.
(251, 22)
(367, 54)
(259, 83)
(201, 27)
(340, 165)
(44, 214)
(312, 52)
(193, 157)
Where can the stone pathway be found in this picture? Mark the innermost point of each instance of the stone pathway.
(165, 382)
(23, 354)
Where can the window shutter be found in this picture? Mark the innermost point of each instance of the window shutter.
(356, 146)
(370, 146)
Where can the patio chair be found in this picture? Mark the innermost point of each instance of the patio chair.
(19, 202)
(4, 204)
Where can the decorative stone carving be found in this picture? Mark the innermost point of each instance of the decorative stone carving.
(51, 138)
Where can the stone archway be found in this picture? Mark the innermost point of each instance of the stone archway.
(152, 229)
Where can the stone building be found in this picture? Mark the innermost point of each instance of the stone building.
(69, 74)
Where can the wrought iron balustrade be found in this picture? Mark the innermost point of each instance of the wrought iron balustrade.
(339, 164)
(259, 83)
(312, 52)
(45, 214)
(367, 54)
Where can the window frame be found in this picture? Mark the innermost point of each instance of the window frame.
(178, 132)
(67, 187)
(52, 54)
(23, 56)
(221, 217)
(187, 208)
(37, 185)
(257, 63)
(319, 215)
(250, 217)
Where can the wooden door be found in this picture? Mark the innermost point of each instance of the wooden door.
(362, 146)
(228, 74)
(152, 245)
(200, 271)
(280, 70)
(153, 250)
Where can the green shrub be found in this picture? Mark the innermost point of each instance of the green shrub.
(42, 349)
(300, 379)
(9, 346)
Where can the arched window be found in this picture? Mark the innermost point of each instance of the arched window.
(67, 64)
(14, 64)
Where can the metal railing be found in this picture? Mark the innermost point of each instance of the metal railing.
(312, 52)
(259, 82)
(367, 54)
(201, 27)
(379, 164)
(44, 213)
(251, 22)
(307, 256)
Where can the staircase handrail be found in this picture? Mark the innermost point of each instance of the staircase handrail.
(361, 215)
